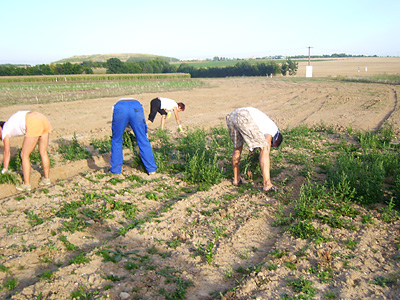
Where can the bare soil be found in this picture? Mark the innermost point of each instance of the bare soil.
(249, 237)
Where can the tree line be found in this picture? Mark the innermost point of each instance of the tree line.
(116, 66)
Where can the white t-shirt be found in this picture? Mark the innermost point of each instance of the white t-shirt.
(167, 104)
(15, 125)
(264, 123)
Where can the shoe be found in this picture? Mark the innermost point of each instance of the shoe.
(152, 173)
(271, 189)
(239, 183)
(44, 181)
(23, 187)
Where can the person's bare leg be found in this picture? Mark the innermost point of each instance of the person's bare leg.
(265, 167)
(163, 118)
(28, 146)
(43, 145)
(236, 164)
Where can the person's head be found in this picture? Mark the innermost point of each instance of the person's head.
(277, 140)
(181, 106)
(1, 127)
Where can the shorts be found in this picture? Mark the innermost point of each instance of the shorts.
(242, 128)
(36, 124)
(155, 107)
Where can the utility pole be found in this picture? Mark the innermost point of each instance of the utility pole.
(309, 51)
(309, 67)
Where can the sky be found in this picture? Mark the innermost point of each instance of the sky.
(44, 31)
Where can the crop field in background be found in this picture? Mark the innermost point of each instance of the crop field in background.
(49, 89)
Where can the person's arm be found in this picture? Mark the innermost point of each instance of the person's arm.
(6, 155)
(265, 163)
(177, 119)
(236, 164)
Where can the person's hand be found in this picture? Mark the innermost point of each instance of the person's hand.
(180, 129)
(4, 171)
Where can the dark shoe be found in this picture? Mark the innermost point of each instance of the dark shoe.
(271, 189)
(239, 183)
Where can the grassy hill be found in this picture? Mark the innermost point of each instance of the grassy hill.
(122, 56)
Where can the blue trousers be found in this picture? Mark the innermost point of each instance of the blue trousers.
(130, 112)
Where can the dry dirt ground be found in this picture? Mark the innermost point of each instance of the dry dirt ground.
(162, 257)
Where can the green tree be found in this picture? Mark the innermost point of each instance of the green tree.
(115, 66)
(292, 66)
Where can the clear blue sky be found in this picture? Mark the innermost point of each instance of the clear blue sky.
(44, 31)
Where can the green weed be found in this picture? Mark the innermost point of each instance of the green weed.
(83, 294)
(207, 251)
(33, 218)
(104, 146)
(303, 286)
(73, 150)
(11, 284)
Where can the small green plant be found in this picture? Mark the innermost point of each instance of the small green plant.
(174, 243)
(5, 269)
(351, 244)
(290, 265)
(207, 251)
(304, 230)
(68, 245)
(278, 253)
(382, 281)
(81, 258)
(9, 178)
(33, 218)
(83, 294)
(389, 214)
(330, 295)
(104, 146)
(11, 284)
(46, 275)
(303, 286)
(73, 150)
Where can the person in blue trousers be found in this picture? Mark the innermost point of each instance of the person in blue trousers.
(130, 111)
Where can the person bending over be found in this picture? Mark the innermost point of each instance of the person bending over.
(165, 107)
(35, 128)
(250, 125)
(130, 111)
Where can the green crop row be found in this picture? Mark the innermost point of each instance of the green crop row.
(92, 77)
(26, 92)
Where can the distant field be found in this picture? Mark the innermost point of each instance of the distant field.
(359, 66)
(332, 67)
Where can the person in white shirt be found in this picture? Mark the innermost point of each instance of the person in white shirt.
(165, 107)
(250, 125)
(35, 128)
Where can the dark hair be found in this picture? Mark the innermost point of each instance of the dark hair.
(181, 106)
(2, 124)
(278, 140)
